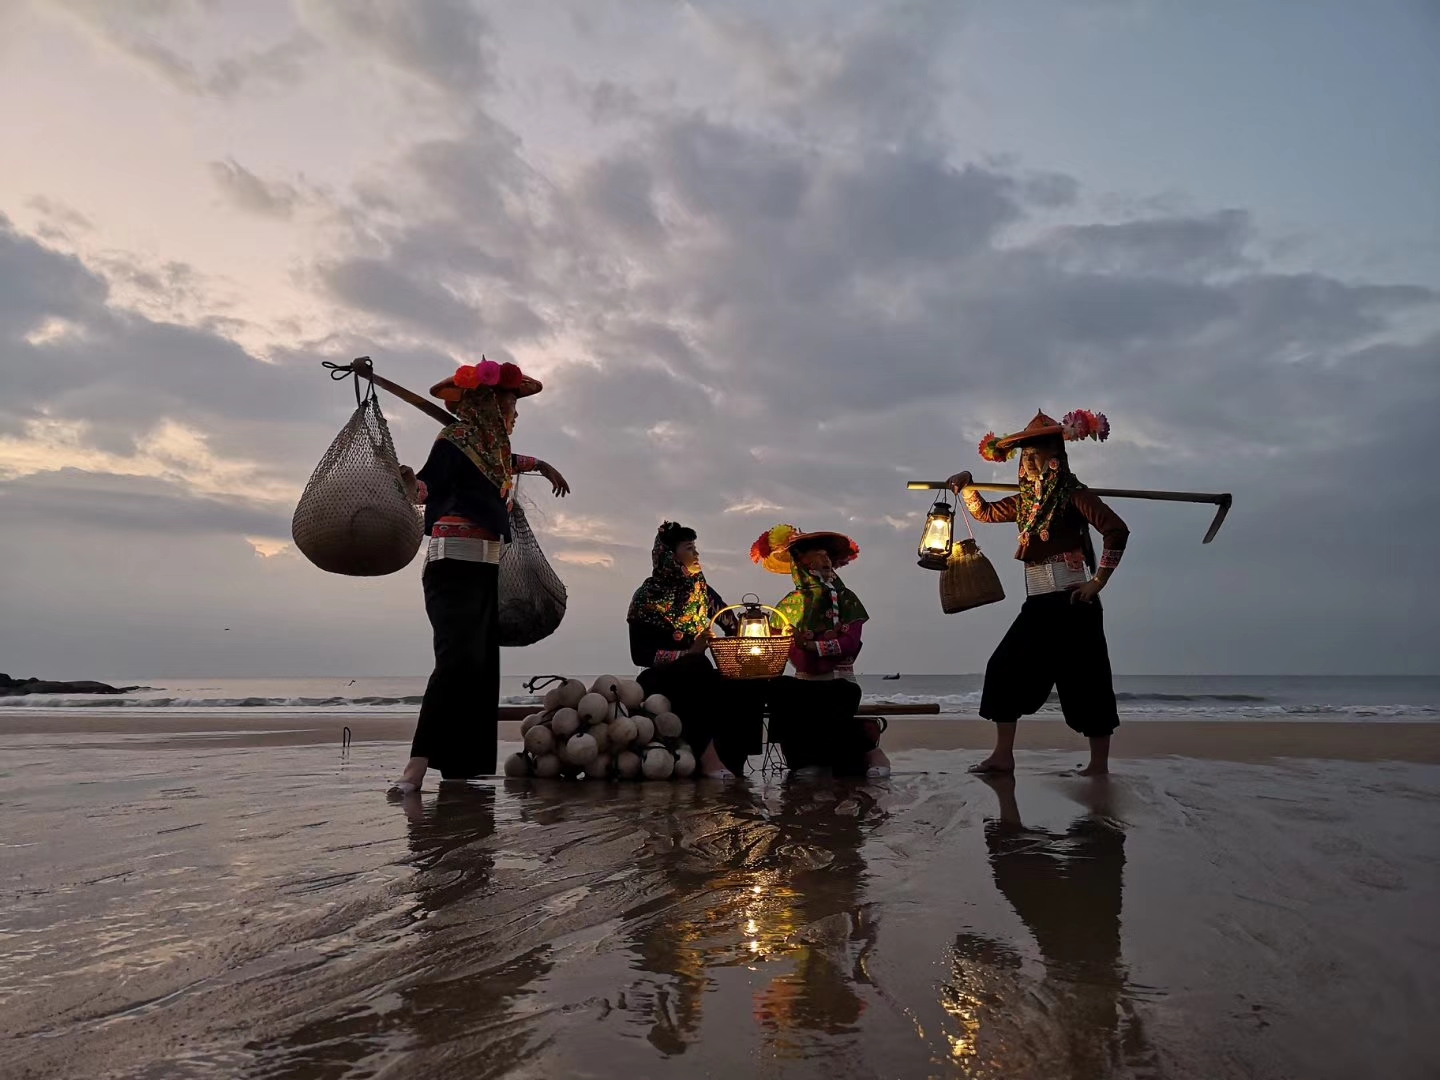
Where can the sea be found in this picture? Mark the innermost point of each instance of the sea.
(1141, 697)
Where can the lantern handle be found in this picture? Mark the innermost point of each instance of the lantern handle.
(763, 607)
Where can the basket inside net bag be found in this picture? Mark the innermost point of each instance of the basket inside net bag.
(532, 597)
(355, 516)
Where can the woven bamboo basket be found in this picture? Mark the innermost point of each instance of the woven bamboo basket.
(752, 657)
(968, 580)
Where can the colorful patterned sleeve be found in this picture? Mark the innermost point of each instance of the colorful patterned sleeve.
(992, 513)
(521, 463)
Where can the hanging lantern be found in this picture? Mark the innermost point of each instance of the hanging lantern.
(939, 535)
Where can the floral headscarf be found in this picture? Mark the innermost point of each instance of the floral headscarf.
(670, 599)
(1036, 511)
(479, 431)
(818, 605)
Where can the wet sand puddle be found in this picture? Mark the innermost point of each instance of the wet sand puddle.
(265, 913)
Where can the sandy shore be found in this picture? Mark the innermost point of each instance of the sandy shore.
(1240, 741)
(263, 911)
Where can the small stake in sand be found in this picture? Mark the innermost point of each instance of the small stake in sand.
(1223, 501)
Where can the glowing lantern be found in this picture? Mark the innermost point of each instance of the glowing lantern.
(938, 537)
(754, 623)
(757, 650)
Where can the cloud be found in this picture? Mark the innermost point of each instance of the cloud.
(266, 198)
(586, 558)
(442, 43)
(134, 504)
(754, 506)
(136, 29)
(776, 294)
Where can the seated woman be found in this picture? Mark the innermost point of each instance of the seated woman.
(670, 617)
(812, 716)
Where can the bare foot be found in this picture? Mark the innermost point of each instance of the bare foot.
(877, 765)
(412, 779)
(711, 767)
(994, 764)
(1093, 770)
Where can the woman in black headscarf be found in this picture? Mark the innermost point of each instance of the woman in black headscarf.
(669, 617)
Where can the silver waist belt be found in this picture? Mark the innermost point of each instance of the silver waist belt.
(464, 549)
(1049, 577)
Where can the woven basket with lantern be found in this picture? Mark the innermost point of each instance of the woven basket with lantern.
(758, 650)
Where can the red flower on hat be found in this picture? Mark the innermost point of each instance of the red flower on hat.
(510, 377)
(990, 448)
(467, 377)
(489, 373)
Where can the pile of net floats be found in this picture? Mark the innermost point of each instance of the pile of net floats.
(610, 731)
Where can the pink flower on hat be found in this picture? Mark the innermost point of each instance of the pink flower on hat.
(489, 373)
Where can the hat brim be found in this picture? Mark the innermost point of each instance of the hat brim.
(843, 550)
(1030, 435)
(446, 390)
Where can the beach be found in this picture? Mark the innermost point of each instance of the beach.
(233, 895)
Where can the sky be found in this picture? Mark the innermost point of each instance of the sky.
(770, 264)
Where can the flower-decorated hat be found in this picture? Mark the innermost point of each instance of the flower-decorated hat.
(486, 373)
(1076, 425)
(772, 550)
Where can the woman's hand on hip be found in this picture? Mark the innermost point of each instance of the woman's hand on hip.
(1085, 593)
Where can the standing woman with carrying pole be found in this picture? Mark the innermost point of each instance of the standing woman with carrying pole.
(1058, 639)
(466, 485)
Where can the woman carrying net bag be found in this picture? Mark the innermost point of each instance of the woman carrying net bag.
(467, 487)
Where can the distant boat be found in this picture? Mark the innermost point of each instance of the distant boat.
(891, 678)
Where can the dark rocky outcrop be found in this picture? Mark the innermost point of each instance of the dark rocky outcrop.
(15, 687)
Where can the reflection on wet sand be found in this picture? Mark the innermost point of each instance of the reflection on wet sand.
(766, 884)
(547, 929)
(1067, 889)
(450, 986)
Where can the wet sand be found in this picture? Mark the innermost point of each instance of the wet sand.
(1215, 740)
(262, 911)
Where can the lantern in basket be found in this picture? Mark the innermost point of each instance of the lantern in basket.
(754, 623)
(758, 650)
(938, 537)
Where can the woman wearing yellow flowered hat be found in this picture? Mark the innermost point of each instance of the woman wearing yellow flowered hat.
(1058, 640)
(818, 727)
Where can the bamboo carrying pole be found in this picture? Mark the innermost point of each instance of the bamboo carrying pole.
(1223, 500)
(364, 367)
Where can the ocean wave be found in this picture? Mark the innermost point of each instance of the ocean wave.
(1174, 706)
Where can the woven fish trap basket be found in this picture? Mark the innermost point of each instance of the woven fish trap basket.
(968, 580)
(753, 657)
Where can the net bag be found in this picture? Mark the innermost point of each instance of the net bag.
(355, 516)
(532, 596)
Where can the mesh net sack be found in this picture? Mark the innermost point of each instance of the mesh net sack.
(354, 516)
(532, 596)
